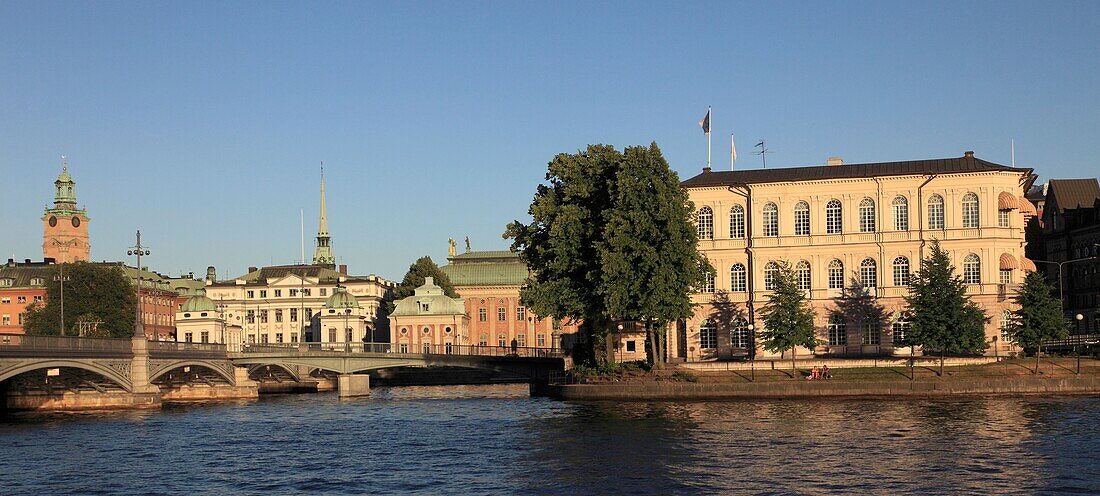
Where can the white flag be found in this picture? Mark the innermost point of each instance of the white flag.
(733, 151)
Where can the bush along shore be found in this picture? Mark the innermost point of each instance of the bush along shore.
(634, 381)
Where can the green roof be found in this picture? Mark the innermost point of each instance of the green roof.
(486, 268)
(199, 303)
(341, 299)
(429, 299)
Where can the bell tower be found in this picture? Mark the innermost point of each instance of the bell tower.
(65, 227)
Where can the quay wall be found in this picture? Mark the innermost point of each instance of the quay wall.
(674, 391)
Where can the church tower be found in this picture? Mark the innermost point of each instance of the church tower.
(322, 254)
(65, 227)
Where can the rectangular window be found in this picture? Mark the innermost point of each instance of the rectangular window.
(278, 337)
(541, 340)
(935, 215)
(332, 335)
(836, 277)
(37, 298)
(263, 338)
(21, 299)
(482, 315)
(502, 314)
(7, 319)
(278, 315)
(294, 315)
(293, 337)
(293, 293)
(21, 319)
(838, 335)
(901, 217)
(1006, 276)
(250, 316)
(263, 293)
(404, 348)
(708, 337)
(187, 337)
(1006, 326)
(483, 340)
(5, 300)
(263, 316)
(324, 291)
(901, 329)
(630, 346)
(521, 340)
(1002, 218)
(870, 333)
(278, 293)
(250, 293)
(251, 338)
(521, 314)
(307, 292)
(204, 336)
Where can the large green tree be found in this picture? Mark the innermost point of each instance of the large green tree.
(423, 268)
(942, 317)
(560, 244)
(788, 318)
(1039, 316)
(648, 254)
(93, 293)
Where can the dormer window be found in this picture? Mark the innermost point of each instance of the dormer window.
(38, 281)
(423, 307)
(7, 282)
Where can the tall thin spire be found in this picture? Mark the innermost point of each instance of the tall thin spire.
(322, 254)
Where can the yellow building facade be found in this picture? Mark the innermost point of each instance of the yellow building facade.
(851, 225)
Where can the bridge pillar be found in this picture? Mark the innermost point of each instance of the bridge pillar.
(139, 370)
(351, 385)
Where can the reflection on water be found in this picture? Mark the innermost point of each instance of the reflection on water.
(497, 440)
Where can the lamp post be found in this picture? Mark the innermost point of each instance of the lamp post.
(619, 341)
(752, 351)
(1077, 342)
(1061, 298)
(347, 330)
(61, 278)
(138, 250)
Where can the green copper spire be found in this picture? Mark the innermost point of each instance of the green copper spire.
(322, 254)
(64, 188)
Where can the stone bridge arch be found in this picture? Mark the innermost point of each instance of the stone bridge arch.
(117, 371)
(159, 367)
(289, 369)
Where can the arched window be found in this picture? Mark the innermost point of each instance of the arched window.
(502, 340)
(737, 222)
(900, 329)
(935, 212)
(708, 335)
(1006, 326)
(802, 218)
(867, 215)
(483, 340)
(972, 269)
(834, 221)
(836, 274)
(901, 213)
(706, 223)
(970, 210)
(739, 334)
(868, 273)
(802, 270)
(771, 219)
(737, 277)
(837, 330)
(771, 270)
(901, 271)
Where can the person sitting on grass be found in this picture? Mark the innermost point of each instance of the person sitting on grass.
(825, 373)
(814, 374)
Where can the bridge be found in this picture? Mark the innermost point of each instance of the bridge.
(64, 372)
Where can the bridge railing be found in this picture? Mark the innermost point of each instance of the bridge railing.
(22, 343)
(402, 349)
(1071, 341)
(174, 348)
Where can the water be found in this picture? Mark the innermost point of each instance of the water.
(496, 440)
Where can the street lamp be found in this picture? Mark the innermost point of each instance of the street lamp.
(61, 278)
(138, 250)
(752, 350)
(347, 330)
(1077, 342)
(619, 342)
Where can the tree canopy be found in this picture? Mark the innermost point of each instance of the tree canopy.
(423, 268)
(610, 238)
(93, 293)
(942, 317)
(788, 318)
(1039, 316)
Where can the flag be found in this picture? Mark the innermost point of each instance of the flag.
(705, 123)
(733, 151)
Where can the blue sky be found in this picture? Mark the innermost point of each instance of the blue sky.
(203, 124)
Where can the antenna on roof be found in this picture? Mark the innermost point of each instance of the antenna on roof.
(1013, 145)
(763, 150)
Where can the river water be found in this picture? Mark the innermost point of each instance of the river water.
(497, 440)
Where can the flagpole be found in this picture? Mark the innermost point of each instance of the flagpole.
(711, 117)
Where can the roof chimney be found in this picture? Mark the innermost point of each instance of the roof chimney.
(211, 273)
(969, 154)
(706, 170)
(344, 269)
(429, 281)
(251, 269)
(834, 161)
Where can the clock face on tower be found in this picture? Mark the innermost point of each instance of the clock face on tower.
(53, 221)
(76, 221)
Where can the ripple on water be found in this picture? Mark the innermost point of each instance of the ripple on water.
(497, 440)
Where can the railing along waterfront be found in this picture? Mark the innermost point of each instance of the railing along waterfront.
(439, 349)
(1071, 341)
(174, 348)
(22, 343)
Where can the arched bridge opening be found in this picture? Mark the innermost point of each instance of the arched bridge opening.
(191, 374)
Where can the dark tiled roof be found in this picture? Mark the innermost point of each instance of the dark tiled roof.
(966, 163)
(23, 273)
(265, 274)
(1073, 193)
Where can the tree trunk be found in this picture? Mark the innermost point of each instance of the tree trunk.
(793, 366)
(1038, 351)
(941, 363)
(659, 345)
(609, 345)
